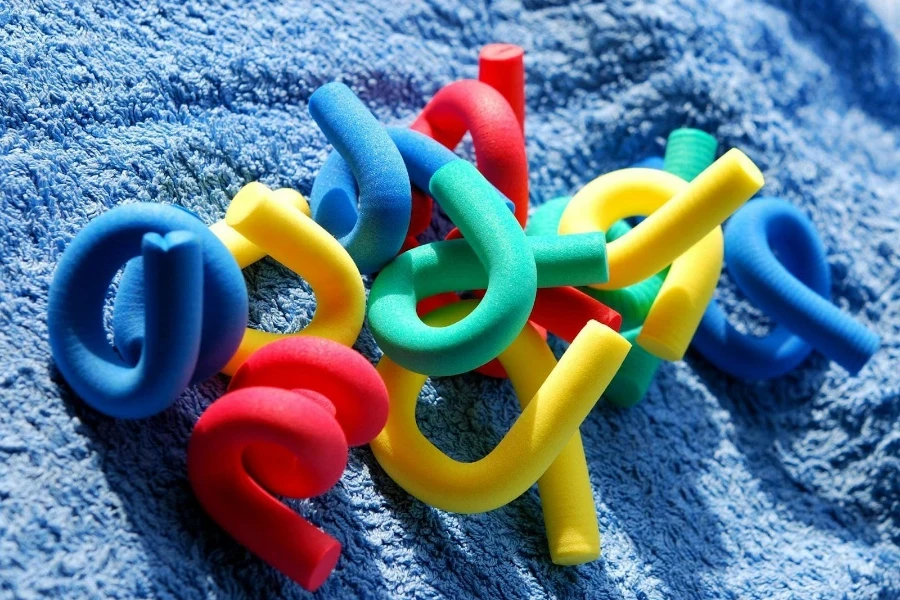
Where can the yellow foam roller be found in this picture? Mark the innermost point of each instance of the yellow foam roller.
(243, 250)
(543, 442)
(680, 214)
(682, 230)
(261, 223)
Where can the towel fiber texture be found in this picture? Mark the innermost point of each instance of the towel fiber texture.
(711, 487)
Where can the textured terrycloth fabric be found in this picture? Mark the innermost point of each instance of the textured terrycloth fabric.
(710, 488)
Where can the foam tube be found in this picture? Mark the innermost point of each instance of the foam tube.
(682, 213)
(501, 249)
(476, 107)
(184, 332)
(635, 375)
(263, 417)
(776, 258)
(422, 156)
(502, 66)
(325, 367)
(244, 251)
(373, 233)
(690, 283)
(545, 434)
(453, 265)
(283, 232)
(633, 302)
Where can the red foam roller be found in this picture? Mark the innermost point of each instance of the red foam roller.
(419, 219)
(326, 367)
(476, 107)
(215, 459)
(502, 66)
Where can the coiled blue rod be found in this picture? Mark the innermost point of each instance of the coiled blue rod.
(775, 256)
(373, 233)
(189, 287)
(334, 190)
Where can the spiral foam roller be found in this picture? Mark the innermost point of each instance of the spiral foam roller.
(455, 265)
(188, 317)
(284, 428)
(776, 258)
(276, 226)
(374, 232)
(498, 243)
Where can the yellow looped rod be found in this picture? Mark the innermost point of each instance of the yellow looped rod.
(682, 229)
(261, 222)
(543, 442)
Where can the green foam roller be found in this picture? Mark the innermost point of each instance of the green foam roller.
(689, 152)
(634, 376)
(495, 255)
(633, 302)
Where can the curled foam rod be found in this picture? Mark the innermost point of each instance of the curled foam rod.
(283, 428)
(422, 156)
(374, 232)
(182, 331)
(476, 107)
(683, 218)
(244, 251)
(542, 445)
(776, 258)
(275, 225)
(266, 417)
(563, 311)
(632, 302)
(448, 115)
(502, 257)
(455, 265)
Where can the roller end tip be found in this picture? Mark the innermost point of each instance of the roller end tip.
(746, 167)
(502, 53)
(246, 203)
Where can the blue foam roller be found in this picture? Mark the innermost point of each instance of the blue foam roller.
(225, 305)
(422, 156)
(775, 256)
(372, 232)
(181, 262)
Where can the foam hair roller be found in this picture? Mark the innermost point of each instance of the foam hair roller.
(637, 371)
(635, 375)
(472, 105)
(128, 317)
(263, 417)
(776, 258)
(328, 368)
(283, 428)
(563, 311)
(422, 156)
(190, 316)
(543, 442)
(682, 213)
(273, 224)
(476, 107)
(683, 219)
(244, 251)
(632, 303)
(454, 265)
(373, 233)
(498, 247)
(502, 66)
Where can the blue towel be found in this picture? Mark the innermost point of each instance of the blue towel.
(710, 488)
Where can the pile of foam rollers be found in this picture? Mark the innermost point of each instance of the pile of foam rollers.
(625, 271)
